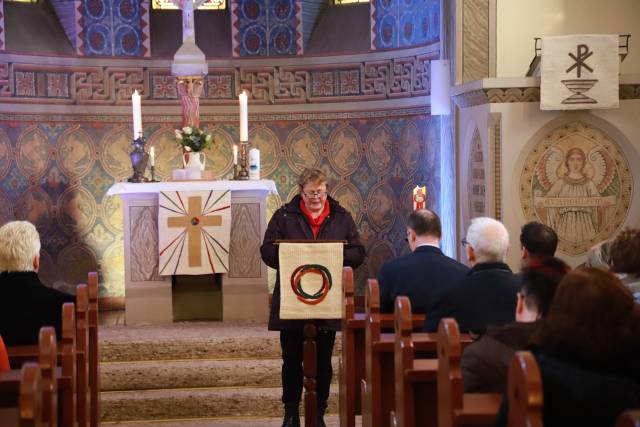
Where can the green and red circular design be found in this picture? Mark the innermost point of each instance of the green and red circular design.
(296, 283)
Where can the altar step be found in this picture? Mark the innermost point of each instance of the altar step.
(330, 420)
(184, 374)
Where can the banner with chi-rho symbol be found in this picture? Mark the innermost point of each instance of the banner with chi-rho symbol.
(579, 72)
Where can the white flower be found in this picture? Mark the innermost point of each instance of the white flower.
(187, 148)
(208, 137)
(178, 134)
(187, 130)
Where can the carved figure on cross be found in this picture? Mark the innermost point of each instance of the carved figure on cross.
(193, 221)
(188, 23)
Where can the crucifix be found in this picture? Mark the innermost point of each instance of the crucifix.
(193, 221)
(188, 26)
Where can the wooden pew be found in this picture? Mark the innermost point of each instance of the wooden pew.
(30, 407)
(82, 354)
(94, 357)
(456, 408)
(352, 358)
(525, 391)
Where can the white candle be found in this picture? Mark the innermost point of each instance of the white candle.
(235, 154)
(152, 156)
(244, 117)
(137, 115)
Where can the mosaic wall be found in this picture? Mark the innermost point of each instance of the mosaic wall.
(400, 77)
(55, 173)
(402, 23)
(113, 27)
(266, 27)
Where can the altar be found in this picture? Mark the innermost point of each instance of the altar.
(148, 295)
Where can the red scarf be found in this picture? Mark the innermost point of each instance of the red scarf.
(315, 223)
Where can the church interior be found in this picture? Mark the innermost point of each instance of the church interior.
(382, 96)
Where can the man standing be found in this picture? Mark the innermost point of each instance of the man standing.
(487, 294)
(422, 272)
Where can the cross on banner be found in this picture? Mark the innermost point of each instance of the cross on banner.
(194, 239)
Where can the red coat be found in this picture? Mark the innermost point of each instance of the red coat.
(289, 223)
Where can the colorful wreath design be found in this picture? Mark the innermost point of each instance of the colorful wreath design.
(296, 283)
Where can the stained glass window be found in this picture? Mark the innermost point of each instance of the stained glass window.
(207, 5)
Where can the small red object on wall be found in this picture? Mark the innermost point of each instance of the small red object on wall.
(419, 197)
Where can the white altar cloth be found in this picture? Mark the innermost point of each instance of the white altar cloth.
(156, 187)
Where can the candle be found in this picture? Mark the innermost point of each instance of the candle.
(152, 156)
(137, 115)
(244, 117)
(419, 197)
(235, 154)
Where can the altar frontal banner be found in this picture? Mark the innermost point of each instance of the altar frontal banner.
(579, 72)
(310, 280)
(194, 232)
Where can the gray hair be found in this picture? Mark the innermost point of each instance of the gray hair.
(489, 239)
(599, 255)
(19, 246)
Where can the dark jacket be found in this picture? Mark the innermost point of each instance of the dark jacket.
(485, 296)
(575, 396)
(289, 223)
(27, 305)
(417, 275)
(485, 363)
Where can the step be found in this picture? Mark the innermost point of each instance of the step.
(196, 403)
(192, 374)
(330, 420)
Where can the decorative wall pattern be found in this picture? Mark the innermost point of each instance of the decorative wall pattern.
(55, 171)
(577, 180)
(477, 184)
(266, 27)
(379, 79)
(475, 40)
(2, 26)
(113, 27)
(401, 23)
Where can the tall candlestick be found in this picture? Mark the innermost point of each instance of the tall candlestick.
(235, 154)
(244, 117)
(152, 156)
(137, 115)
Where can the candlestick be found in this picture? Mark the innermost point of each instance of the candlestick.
(235, 154)
(419, 197)
(137, 115)
(152, 156)
(244, 117)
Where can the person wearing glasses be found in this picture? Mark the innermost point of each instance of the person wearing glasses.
(487, 294)
(403, 275)
(310, 215)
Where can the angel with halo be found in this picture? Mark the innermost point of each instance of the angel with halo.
(574, 204)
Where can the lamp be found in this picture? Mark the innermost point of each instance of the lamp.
(440, 88)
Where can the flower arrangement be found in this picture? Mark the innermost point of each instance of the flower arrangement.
(193, 139)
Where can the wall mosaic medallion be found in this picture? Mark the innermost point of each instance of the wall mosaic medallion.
(409, 146)
(381, 208)
(6, 210)
(379, 144)
(349, 197)
(168, 153)
(304, 148)
(220, 155)
(116, 147)
(48, 271)
(75, 152)
(476, 182)
(77, 210)
(78, 259)
(35, 207)
(577, 180)
(112, 264)
(345, 150)
(377, 255)
(34, 152)
(5, 153)
(267, 142)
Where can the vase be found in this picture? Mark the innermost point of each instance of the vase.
(194, 160)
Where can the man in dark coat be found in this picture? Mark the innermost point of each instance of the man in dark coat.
(26, 304)
(422, 272)
(487, 294)
(311, 215)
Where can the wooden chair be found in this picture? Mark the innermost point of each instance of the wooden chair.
(456, 408)
(629, 419)
(415, 379)
(67, 381)
(30, 406)
(525, 391)
(94, 357)
(82, 354)
(49, 375)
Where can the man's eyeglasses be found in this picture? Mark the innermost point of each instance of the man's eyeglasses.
(314, 194)
(464, 242)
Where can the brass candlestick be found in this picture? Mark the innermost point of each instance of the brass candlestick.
(243, 173)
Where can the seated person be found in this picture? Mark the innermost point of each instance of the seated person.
(422, 272)
(625, 259)
(487, 294)
(26, 304)
(537, 241)
(599, 256)
(485, 363)
(588, 348)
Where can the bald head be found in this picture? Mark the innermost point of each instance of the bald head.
(488, 239)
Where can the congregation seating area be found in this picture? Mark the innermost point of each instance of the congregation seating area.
(56, 382)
